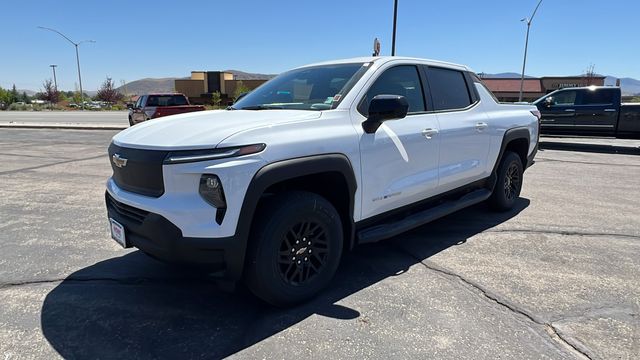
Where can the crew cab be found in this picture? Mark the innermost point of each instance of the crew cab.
(153, 106)
(274, 189)
(593, 110)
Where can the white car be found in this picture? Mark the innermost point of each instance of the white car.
(317, 160)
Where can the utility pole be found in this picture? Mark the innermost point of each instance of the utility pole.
(526, 45)
(395, 18)
(55, 82)
(76, 44)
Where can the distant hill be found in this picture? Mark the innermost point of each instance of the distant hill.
(160, 85)
(629, 86)
(148, 85)
(506, 75)
(241, 75)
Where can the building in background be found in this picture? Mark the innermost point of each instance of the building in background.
(202, 84)
(508, 89)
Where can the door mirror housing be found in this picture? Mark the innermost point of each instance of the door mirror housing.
(129, 106)
(383, 108)
(548, 102)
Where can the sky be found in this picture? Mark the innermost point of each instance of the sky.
(160, 38)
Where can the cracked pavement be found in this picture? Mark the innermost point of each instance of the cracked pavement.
(555, 278)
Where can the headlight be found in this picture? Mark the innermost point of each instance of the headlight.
(211, 191)
(185, 156)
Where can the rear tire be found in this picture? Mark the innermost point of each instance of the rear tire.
(294, 249)
(508, 183)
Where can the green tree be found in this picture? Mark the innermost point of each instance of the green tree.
(4, 98)
(241, 88)
(14, 94)
(216, 98)
(25, 98)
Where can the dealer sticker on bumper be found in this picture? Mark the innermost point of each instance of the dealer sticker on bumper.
(117, 233)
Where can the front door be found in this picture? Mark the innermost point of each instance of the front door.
(558, 115)
(399, 162)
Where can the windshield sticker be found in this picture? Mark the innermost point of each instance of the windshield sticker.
(337, 97)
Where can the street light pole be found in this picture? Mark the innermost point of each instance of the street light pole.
(55, 82)
(395, 18)
(76, 44)
(526, 45)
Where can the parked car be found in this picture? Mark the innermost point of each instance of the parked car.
(314, 162)
(153, 106)
(593, 110)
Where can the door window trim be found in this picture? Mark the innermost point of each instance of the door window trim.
(427, 101)
(473, 94)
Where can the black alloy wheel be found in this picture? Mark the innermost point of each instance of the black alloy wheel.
(508, 182)
(294, 248)
(303, 252)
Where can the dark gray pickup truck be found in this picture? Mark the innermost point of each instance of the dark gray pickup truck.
(593, 110)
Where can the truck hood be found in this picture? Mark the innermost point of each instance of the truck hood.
(203, 129)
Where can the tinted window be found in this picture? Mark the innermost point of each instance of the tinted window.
(166, 100)
(596, 97)
(448, 89)
(399, 80)
(564, 98)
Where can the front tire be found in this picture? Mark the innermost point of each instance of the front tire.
(295, 247)
(508, 183)
(131, 121)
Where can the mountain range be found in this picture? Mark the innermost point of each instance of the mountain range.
(160, 85)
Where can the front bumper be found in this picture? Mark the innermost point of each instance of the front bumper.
(158, 237)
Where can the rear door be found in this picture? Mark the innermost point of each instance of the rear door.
(465, 132)
(597, 111)
(559, 115)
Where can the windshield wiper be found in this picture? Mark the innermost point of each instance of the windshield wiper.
(262, 107)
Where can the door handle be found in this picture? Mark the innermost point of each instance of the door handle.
(610, 110)
(429, 132)
(570, 110)
(481, 126)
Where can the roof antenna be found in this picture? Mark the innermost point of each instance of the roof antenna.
(376, 47)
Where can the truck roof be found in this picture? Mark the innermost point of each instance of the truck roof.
(383, 59)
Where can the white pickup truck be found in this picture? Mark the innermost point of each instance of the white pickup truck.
(324, 157)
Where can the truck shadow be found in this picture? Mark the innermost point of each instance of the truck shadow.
(135, 307)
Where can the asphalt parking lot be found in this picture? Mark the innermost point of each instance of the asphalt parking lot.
(558, 277)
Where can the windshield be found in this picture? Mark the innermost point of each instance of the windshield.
(311, 88)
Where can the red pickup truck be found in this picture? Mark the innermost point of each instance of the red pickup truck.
(153, 106)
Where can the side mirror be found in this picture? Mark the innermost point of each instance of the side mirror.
(548, 102)
(129, 106)
(383, 108)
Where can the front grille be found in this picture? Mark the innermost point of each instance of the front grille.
(129, 212)
(142, 173)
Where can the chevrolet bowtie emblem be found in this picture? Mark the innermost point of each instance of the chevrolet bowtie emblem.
(119, 161)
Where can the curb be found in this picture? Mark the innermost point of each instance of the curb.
(63, 126)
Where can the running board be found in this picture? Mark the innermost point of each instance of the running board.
(385, 231)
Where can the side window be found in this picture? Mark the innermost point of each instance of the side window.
(140, 102)
(448, 89)
(401, 80)
(564, 98)
(596, 97)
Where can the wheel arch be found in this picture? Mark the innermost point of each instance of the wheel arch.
(332, 169)
(516, 140)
